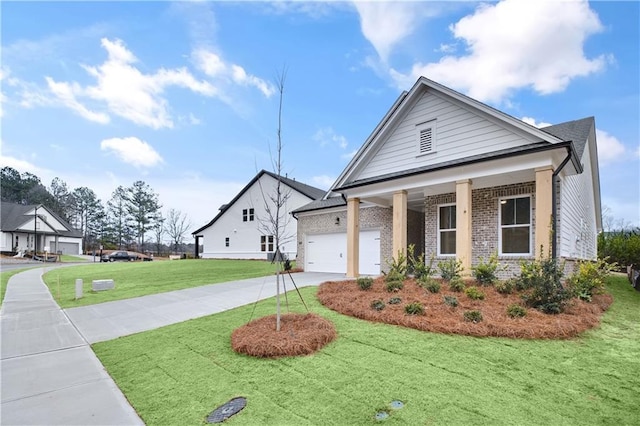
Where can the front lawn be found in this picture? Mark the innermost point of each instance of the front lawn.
(133, 279)
(180, 373)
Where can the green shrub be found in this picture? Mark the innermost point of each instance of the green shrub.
(457, 284)
(544, 290)
(365, 283)
(516, 311)
(417, 265)
(621, 247)
(394, 286)
(473, 316)
(450, 301)
(429, 284)
(473, 293)
(395, 300)
(588, 280)
(414, 308)
(505, 287)
(450, 268)
(378, 305)
(397, 267)
(486, 273)
(394, 275)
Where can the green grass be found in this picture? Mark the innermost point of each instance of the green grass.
(67, 258)
(133, 279)
(180, 373)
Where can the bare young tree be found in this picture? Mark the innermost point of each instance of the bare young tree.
(159, 231)
(275, 219)
(177, 225)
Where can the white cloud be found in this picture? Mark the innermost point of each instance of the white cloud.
(323, 181)
(133, 151)
(65, 94)
(533, 122)
(349, 155)
(19, 164)
(513, 45)
(385, 24)
(327, 135)
(610, 149)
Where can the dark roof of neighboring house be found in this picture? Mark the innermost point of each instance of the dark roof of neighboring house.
(576, 131)
(306, 190)
(322, 204)
(13, 217)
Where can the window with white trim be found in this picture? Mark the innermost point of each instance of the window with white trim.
(447, 230)
(426, 135)
(266, 243)
(515, 226)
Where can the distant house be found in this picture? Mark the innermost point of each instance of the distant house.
(458, 179)
(235, 232)
(34, 227)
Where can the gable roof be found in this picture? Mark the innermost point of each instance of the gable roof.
(577, 131)
(407, 100)
(304, 189)
(13, 216)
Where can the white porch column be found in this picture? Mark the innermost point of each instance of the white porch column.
(353, 237)
(544, 201)
(463, 224)
(399, 223)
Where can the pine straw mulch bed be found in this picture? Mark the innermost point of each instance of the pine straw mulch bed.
(300, 334)
(347, 298)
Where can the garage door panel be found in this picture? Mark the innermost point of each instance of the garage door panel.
(328, 253)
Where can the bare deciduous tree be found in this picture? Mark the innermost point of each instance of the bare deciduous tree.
(177, 225)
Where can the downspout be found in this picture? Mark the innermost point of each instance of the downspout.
(554, 204)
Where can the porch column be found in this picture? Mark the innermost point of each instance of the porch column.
(399, 223)
(463, 224)
(544, 201)
(353, 237)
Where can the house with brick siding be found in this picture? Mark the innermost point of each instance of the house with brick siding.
(457, 179)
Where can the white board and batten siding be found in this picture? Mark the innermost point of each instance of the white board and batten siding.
(577, 225)
(328, 253)
(458, 132)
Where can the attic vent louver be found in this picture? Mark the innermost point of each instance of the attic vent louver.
(426, 140)
(426, 135)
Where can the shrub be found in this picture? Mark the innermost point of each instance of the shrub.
(395, 300)
(417, 265)
(450, 301)
(429, 284)
(588, 280)
(542, 280)
(473, 316)
(473, 293)
(457, 284)
(378, 305)
(486, 272)
(621, 247)
(393, 275)
(516, 311)
(505, 287)
(414, 308)
(394, 286)
(397, 267)
(450, 268)
(365, 283)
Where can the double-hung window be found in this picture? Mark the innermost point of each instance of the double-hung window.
(266, 243)
(447, 230)
(515, 226)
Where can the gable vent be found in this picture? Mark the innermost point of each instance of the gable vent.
(426, 140)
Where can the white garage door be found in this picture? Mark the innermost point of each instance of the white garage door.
(328, 253)
(65, 248)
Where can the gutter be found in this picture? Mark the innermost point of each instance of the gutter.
(554, 203)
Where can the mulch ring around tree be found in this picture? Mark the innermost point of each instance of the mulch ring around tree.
(300, 334)
(347, 298)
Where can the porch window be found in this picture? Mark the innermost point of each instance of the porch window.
(515, 226)
(447, 230)
(266, 243)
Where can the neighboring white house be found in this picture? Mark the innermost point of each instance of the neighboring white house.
(236, 231)
(457, 178)
(28, 227)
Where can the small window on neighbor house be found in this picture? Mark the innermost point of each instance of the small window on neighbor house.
(250, 215)
(247, 215)
(226, 242)
(447, 230)
(426, 133)
(266, 243)
(515, 226)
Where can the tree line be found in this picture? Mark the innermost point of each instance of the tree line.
(125, 221)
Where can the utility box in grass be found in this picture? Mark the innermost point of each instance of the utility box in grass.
(101, 285)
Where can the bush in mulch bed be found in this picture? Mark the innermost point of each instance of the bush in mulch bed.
(300, 334)
(346, 298)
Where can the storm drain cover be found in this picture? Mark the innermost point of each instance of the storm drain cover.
(396, 405)
(227, 410)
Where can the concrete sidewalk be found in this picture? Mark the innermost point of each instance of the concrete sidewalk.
(51, 376)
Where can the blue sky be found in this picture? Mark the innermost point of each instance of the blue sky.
(182, 94)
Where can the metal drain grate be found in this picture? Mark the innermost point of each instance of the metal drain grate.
(227, 410)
